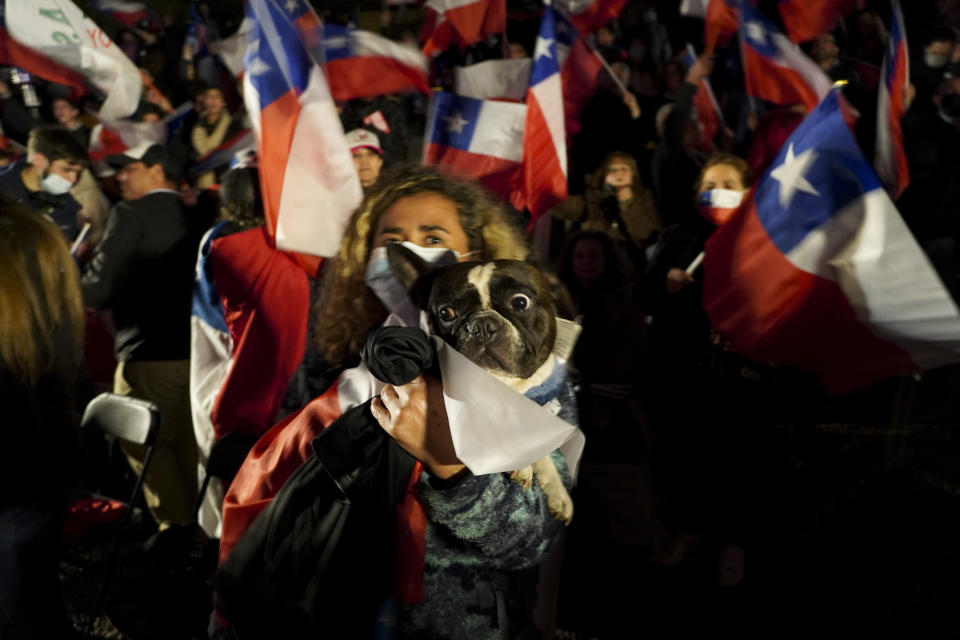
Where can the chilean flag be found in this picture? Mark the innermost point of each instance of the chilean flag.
(580, 70)
(720, 17)
(482, 139)
(494, 79)
(128, 13)
(807, 19)
(818, 271)
(361, 64)
(774, 68)
(312, 186)
(248, 335)
(890, 158)
(544, 136)
(709, 117)
(464, 22)
(590, 15)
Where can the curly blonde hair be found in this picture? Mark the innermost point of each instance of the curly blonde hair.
(348, 310)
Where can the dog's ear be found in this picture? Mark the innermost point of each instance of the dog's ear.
(407, 266)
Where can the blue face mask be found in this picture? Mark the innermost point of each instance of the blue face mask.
(390, 291)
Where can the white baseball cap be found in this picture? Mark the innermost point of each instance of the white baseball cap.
(361, 138)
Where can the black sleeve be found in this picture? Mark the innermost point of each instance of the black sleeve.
(112, 258)
(16, 120)
(679, 119)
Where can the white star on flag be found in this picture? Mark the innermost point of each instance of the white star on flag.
(756, 32)
(455, 123)
(291, 5)
(542, 48)
(790, 175)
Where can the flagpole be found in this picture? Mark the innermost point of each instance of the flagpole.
(606, 65)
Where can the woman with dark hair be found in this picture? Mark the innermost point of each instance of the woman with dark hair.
(41, 337)
(616, 202)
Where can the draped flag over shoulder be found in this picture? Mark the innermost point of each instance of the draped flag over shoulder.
(890, 157)
(818, 271)
(709, 116)
(807, 19)
(590, 15)
(361, 64)
(544, 135)
(463, 22)
(482, 139)
(774, 68)
(312, 186)
(59, 30)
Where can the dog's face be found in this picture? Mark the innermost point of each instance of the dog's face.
(499, 313)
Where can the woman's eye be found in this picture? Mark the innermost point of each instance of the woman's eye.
(433, 240)
(448, 314)
(392, 241)
(519, 302)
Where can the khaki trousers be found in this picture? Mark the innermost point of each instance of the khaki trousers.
(170, 486)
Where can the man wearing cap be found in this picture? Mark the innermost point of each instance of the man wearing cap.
(143, 271)
(367, 155)
(43, 181)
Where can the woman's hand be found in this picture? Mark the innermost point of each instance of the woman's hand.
(415, 416)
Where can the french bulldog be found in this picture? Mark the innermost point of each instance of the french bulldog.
(499, 314)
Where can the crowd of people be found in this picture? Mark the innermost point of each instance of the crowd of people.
(694, 454)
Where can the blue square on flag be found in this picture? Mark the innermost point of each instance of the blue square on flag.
(456, 119)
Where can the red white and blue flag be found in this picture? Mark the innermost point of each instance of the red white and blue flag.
(223, 154)
(890, 157)
(361, 64)
(482, 139)
(312, 186)
(14, 54)
(709, 116)
(721, 19)
(461, 22)
(580, 70)
(774, 67)
(505, 79)
(818, 271)
(128, 13)
(248, 330)
(807, 19)
(589, 15)
(544, 134)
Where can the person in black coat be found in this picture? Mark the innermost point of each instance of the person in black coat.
(143, 271)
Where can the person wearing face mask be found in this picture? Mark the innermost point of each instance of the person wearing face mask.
(927, 70)
(42, 181)
(477, 533)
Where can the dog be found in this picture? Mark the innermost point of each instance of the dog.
(500, 314)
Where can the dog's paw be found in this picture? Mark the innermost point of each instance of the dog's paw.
(524, 477)
(559, 503)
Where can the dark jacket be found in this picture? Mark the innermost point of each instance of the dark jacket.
(143, 270)
(61, 209)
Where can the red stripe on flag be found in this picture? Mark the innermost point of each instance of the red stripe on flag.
(364, 76)
(774, 312)
(721, 23)
(502, 177)
(774, 83)
(278, 121)
(807, 19)
(544, 182)
(16, 55)
(599, 13)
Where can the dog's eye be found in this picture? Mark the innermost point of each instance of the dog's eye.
(519, 302)
(448, 314)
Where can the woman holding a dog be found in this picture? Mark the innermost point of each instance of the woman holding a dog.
(464, 541)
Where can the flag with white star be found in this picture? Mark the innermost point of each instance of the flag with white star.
(311, 188)
(818, 271)
(361, 64)
(481, 139)
(544, 135)
(774, 68)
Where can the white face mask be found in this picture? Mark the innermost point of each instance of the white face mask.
(718, 205)
(934, 60)
(55, 184)
(379, 277)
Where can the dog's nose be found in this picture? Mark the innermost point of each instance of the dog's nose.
(482, 327)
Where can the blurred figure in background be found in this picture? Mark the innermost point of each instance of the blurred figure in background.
(367, 156)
